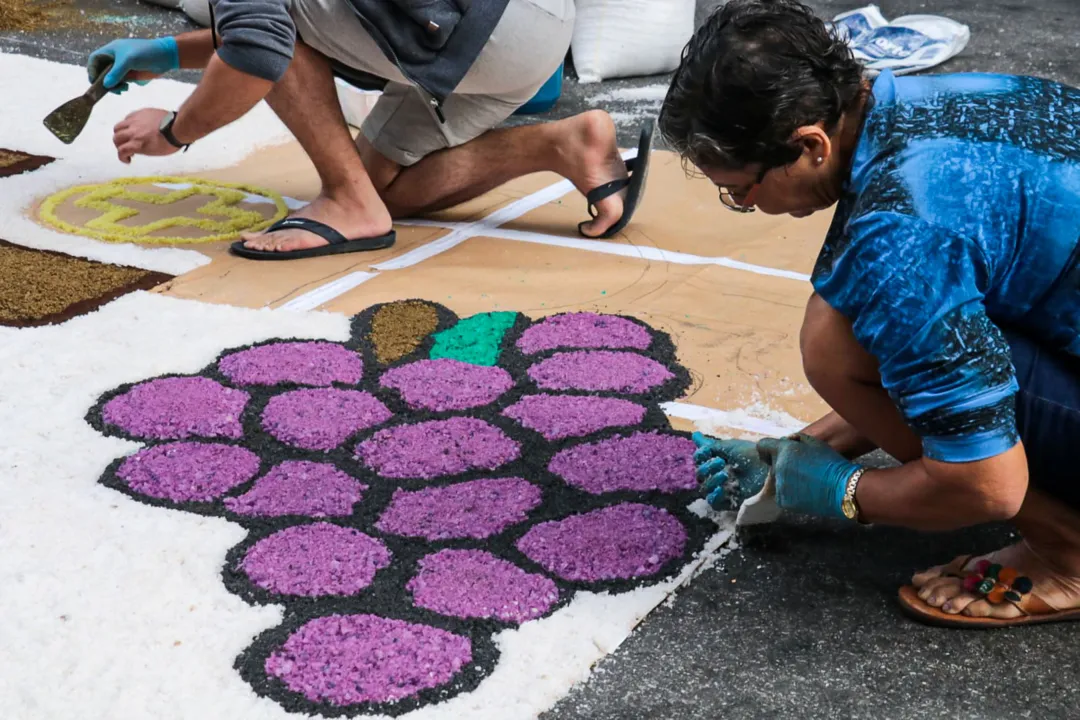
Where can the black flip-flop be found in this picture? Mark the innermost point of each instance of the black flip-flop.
(638, 167)
(336, 242)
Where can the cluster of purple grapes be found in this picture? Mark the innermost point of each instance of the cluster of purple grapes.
(404, 512)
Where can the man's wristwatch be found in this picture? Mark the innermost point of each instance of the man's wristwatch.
(166, 131)
(848, 506)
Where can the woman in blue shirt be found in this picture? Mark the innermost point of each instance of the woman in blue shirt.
(945, 323)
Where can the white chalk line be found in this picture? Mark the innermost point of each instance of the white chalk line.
(424, 252)
(459, 233)
(736, 420)
(639, 252)
(463, 231)
(491, 226)
(325, 293)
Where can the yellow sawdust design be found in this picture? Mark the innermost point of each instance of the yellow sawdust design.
(107, 226)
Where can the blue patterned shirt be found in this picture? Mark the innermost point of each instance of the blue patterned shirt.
(962, 214)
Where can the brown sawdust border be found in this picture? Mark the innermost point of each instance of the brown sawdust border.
(28, 163)
(82, 307)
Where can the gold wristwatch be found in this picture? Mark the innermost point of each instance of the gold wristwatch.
(848, 506)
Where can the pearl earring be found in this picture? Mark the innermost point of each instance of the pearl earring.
(820, 160)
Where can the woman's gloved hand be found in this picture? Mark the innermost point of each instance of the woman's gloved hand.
(731, 470)
(811, 477)
(133, 60)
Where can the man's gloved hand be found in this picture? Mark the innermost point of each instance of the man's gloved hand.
(135, 60)
(731, 470)
(811, 477)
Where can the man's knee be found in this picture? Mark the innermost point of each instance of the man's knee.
(381, 170)
(830, 352)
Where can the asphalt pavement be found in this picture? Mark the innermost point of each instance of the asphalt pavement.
(801, 622)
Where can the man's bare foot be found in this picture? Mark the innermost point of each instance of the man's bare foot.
(349, 215)
(1060, 591)
(589, 157)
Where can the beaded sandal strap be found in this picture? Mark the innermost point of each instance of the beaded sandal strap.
(999, 584)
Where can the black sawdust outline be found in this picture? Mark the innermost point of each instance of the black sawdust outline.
(386, 595)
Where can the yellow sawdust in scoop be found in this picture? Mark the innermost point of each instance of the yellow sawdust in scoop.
(36, 285)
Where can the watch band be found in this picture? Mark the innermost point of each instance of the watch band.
(848, 505)
(167, 133)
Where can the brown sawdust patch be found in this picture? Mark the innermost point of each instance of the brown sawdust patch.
(398, 329)
(10, 157)
(38, 287)
(26, 15)
(14, 162)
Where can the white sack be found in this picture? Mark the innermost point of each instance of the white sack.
(629, 38)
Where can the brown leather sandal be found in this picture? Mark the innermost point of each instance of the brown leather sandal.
(993, 583)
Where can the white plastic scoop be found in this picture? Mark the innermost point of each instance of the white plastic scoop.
(760, 508)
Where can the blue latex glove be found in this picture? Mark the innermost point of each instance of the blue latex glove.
(132, 55)
(731, 470)
(811, 477)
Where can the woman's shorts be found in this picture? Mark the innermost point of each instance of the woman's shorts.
(1048, 416)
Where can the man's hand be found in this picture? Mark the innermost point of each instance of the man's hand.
(133, 60)
(140, 134)
(811, 477)
(731, 470)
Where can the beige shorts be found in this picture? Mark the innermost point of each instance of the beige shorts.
(526, 47)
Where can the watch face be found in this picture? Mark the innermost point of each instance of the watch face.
(848, 508)
(165, 121)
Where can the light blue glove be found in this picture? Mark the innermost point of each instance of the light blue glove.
(731, 470)
(811, 477)
(131, 55)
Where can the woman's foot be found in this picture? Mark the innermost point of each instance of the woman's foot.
(350, 214)
(1059, 590)
(589, 157)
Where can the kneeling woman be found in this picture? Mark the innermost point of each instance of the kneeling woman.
(945, 323)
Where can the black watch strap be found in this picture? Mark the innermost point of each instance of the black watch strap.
(167, 133)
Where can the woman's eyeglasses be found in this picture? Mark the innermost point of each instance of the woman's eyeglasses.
(728, 196)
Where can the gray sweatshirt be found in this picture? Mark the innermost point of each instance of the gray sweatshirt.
(433, 42)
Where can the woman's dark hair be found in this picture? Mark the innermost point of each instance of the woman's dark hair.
(751, 75)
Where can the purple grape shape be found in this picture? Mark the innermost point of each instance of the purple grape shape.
(413, 491)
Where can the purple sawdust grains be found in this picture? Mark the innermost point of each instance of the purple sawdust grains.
(175, 408)
(304, 363)
(297, 487)
(599, 371)
(315, 560)
(641, 462)
(562, 416)
(188, 471)
(442, 385)
(476, 584)
(351, 659)
(436, 448)
(476, 509)
(321, 419)
(618, 542)
(583, 330)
